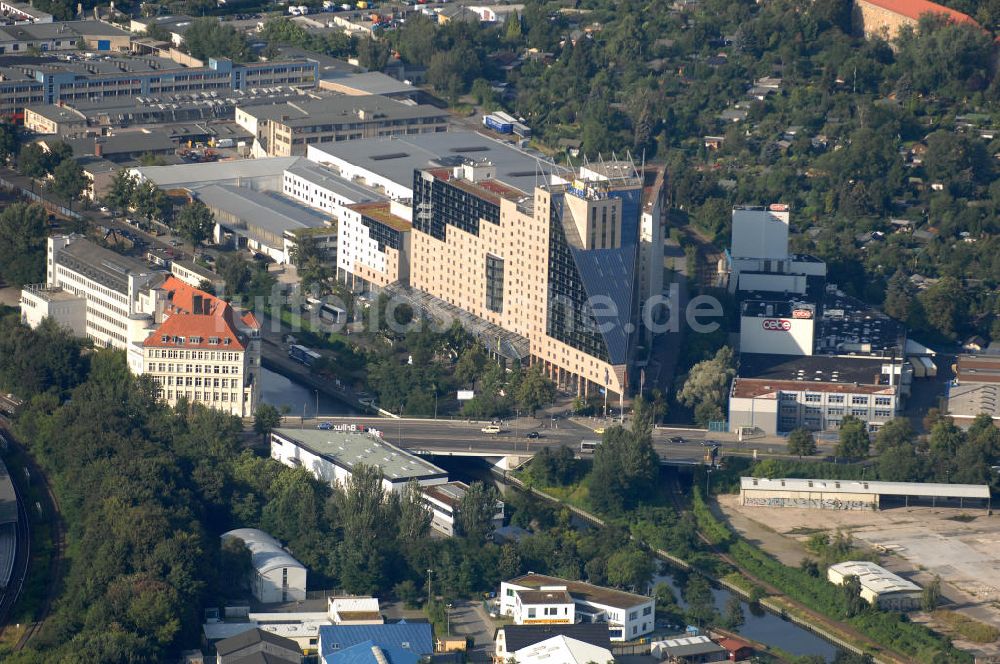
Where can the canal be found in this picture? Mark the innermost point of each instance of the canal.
(759, 625)
(279, 391)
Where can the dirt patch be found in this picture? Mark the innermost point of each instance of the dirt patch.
(960, 546)
(10, 296)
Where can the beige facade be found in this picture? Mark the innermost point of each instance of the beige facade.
(455, 270)
(285, 138)
(53, 119)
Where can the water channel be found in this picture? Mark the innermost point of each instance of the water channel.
(279, 391)
(759, 625)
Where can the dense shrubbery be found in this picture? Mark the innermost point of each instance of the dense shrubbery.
(146, 490)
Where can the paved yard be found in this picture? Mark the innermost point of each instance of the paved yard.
(918, 543)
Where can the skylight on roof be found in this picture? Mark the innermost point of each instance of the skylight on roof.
(391, 155)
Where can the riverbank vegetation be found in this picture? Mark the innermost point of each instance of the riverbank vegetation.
(659, 525)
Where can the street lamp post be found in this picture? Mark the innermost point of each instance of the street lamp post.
(708, 477)
(448, 618)
(429, 585)
(317, 403)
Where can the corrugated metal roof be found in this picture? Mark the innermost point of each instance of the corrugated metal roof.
(265, 551)
(874, 577)
(857, 486)
(411, 637)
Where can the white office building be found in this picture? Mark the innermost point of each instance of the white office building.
(194, 345)
(628, 616)
(549, 605)
(758, 258)
(110, 285)
(444, 502)
(276, 576)
(777, 393)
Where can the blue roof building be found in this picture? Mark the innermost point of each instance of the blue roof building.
(400, 643)
(367, 652)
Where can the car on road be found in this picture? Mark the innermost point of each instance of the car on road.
(325, 426)
(491, 428)
(599, 430)
(533, 434)
(367, 401)
(677, 440)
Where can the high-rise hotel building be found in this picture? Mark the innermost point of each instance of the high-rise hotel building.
(558, 265)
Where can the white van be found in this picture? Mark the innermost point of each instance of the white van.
(491, 428)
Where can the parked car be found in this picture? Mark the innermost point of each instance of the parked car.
(533, 434)
(325, 426)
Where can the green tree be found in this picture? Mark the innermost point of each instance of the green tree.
(512, 28)
(470, 365)
(630, 568)
(898, 297)
(208, 38)
(195, 223)
(22, 244)
(801, 442)
(535, 391)
(931, 595)
(68, 180)
(476, 511)
(414, 518)
(943, 306)
(698, 595)
(624, 471)
(733, 616)
(265, 418)
(10, 140)
(373, 54)
(854, 441)
(122, 192)
(707, 384)
(312, 264)
(32, 161)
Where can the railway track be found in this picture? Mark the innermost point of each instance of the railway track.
(23, 563)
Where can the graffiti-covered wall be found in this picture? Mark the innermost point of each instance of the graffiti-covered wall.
(816, 500)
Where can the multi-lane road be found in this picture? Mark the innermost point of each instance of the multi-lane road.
(465, 437)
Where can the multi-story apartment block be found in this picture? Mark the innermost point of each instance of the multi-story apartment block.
(373, 248)
(203, 351)
(193, 344)
(555, 266)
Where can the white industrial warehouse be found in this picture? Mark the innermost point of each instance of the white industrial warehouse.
(277, 576)
(879, 586)
(858, 494)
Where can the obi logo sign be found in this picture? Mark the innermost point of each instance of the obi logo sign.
(776, 325)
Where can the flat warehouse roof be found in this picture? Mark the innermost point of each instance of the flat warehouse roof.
(348, 449)
(167, 177)
(855, 486)
(396, 158)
